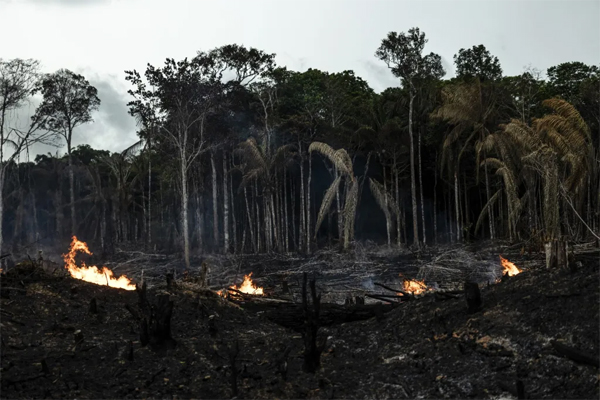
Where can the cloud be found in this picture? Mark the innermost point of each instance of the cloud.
(113, 128)
(379, 75)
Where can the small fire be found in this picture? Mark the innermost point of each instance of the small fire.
(92, 274)
(247, 287)
(415, 287)
(509, 268)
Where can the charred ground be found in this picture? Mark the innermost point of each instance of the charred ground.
(53, 346)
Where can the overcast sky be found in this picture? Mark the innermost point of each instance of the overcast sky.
(102, 38)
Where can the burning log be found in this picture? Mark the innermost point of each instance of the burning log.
(92, 274)
(312, 351)
(473, 297)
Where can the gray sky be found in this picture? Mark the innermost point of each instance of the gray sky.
(102, 38)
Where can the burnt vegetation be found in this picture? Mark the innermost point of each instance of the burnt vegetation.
(396, 204)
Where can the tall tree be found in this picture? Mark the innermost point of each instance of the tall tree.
(403, 54)
(18, 79)
(68, 102)
(477, 62)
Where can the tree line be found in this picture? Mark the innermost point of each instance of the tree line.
(237, 154)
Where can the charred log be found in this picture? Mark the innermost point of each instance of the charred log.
(290, 315)
(575, 354)
(312, 351)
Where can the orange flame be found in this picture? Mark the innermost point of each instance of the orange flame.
(92, 274)
(247, 287)
(509, 268)
(414, 286)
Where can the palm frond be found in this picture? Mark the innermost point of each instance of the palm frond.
(336, 157)
(326, 203)
(484, 211)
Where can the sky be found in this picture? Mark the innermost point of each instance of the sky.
(100, 39)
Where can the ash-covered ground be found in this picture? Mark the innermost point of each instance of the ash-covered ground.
(52, 346)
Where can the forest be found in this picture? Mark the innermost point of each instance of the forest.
(398, 206)
(239, 155)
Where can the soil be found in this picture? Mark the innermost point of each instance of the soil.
(53, 346)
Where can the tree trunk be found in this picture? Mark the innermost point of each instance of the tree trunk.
(72, 193)
(413, 185)
(293, 214)
(302, 225)
(388, 227)
(258, 224)
(233, 219)
(435, 182)
(398, 217)
(285, 213)
(2, 171)
(184, 213)
(457, 205)
(421, 191)
(308, 208)
(225, 207)
(200, 221)
(215, 203)
(250, 225)
(487, 195)
(149, 200)
(339, 209)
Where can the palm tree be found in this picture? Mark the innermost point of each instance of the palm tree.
(557, 147)
(342, 162)
(471, 108)
(262, 166)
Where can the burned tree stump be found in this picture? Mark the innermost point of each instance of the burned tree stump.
(170, 276)
(473, 297)
(159, 325)
(93, 306)
(312, 351)
(202, 279)
(143, 297)
(557, 254)
(234, 351)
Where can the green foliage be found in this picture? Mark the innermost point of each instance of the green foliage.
(477, 62)
(68, 101)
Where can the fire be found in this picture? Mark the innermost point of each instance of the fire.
(414, 286)
(509, 268)
(247, 287)
(92, 274)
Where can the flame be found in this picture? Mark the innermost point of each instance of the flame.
(247, 287)
(509, 268)
(92, 274)
(414, 286)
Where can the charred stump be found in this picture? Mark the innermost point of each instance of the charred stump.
(159, 325)
(234, 351)
(312, 351)
(473, 297)
(93, 306)
(557, 254)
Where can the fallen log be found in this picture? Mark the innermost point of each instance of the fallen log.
(291, 315)
(575, 354)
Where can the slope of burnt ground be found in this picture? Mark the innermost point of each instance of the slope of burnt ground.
(54, 346)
